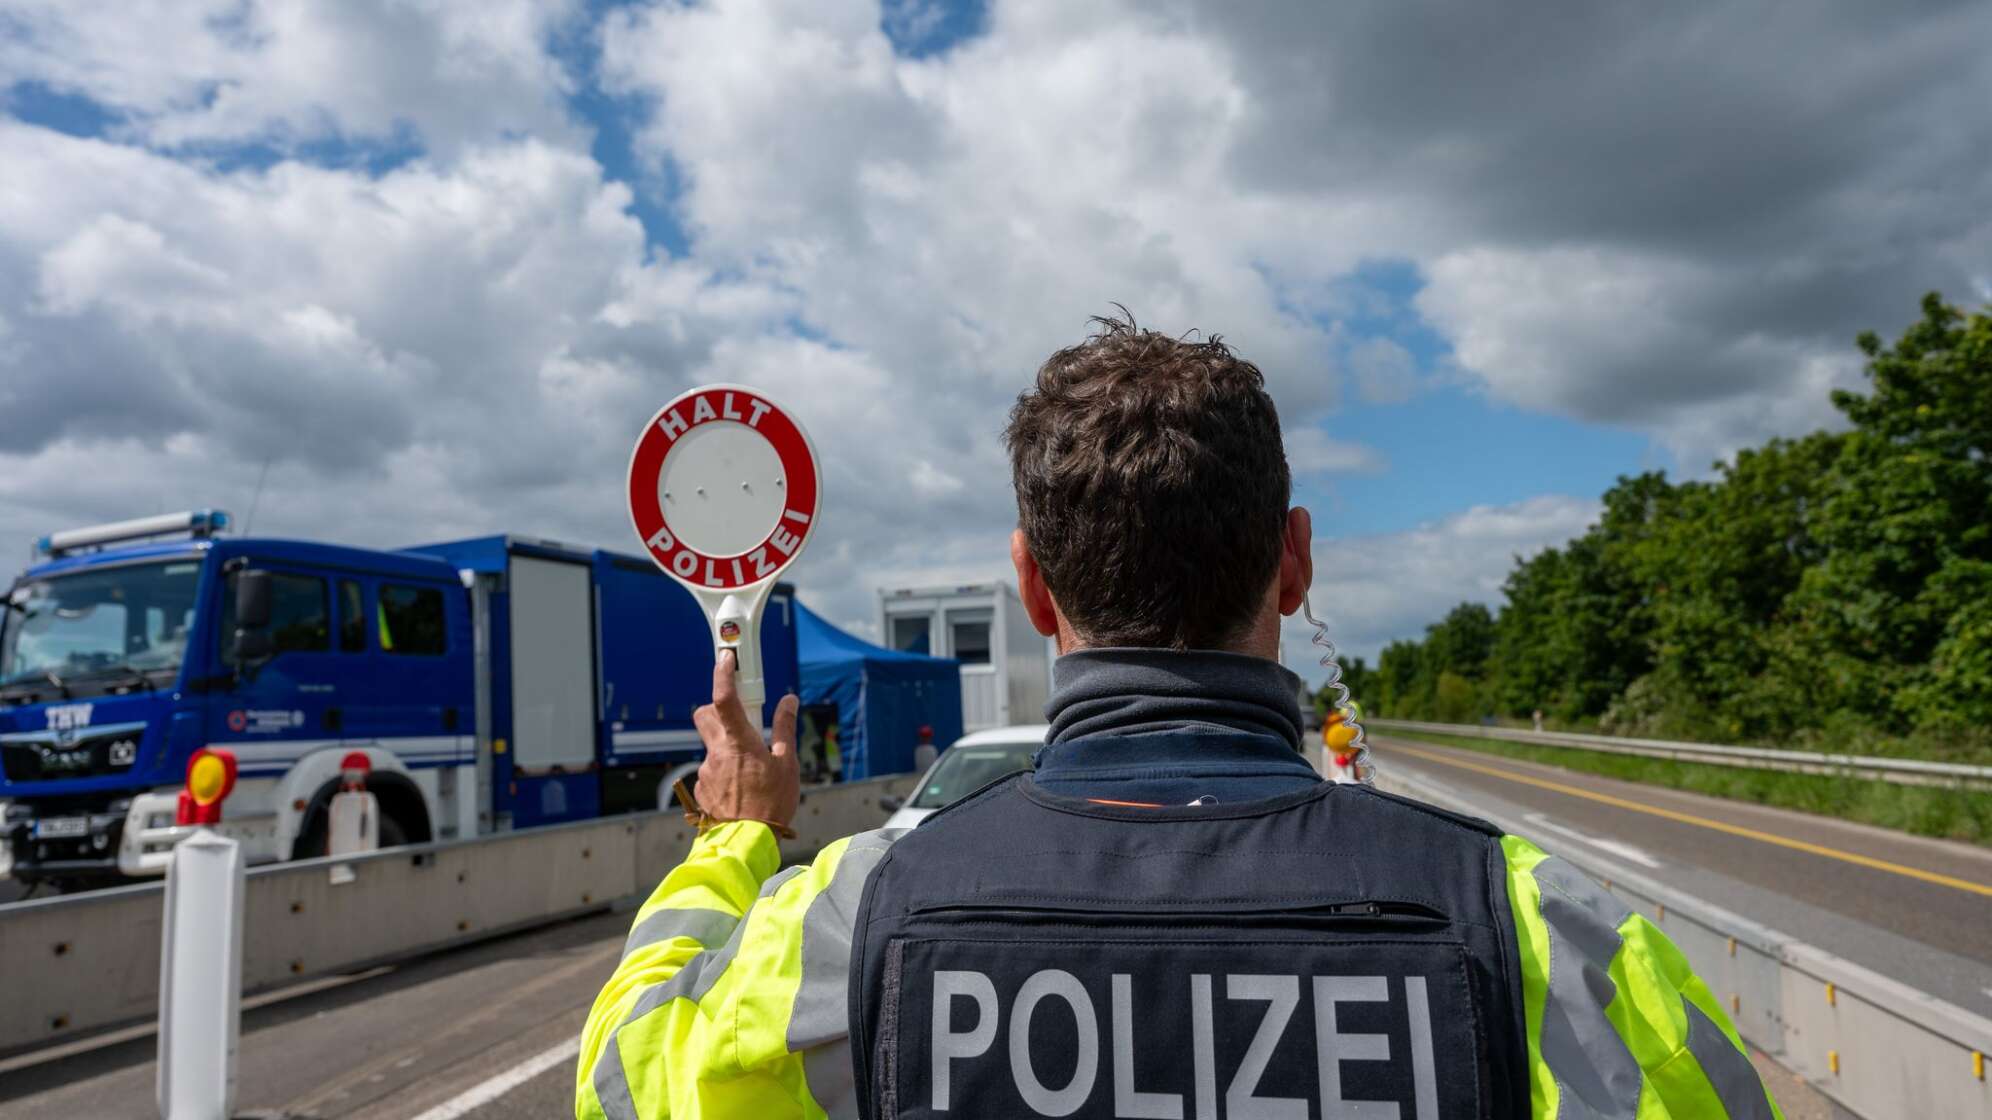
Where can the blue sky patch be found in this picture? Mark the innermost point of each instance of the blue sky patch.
(616, 120)
(1446, 445)
(922, 28)
(67, 113)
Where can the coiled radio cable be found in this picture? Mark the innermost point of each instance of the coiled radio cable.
(1345, 720)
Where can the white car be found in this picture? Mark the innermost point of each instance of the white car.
(971, 763)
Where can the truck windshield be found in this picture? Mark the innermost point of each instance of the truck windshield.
(129, 620)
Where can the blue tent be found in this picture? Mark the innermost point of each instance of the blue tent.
(883, 696)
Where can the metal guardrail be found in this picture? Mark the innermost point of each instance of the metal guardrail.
(79, 963)
(1908, 771)
(1878, 1047)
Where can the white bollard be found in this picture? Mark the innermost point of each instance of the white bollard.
(200, 979)
(353, 823)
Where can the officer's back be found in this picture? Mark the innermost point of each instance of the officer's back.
(1173, 916)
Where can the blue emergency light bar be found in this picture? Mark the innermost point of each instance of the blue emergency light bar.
(197, 523)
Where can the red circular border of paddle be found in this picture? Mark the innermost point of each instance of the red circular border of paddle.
(646, 513)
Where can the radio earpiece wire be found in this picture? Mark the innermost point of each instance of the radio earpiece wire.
(1343, 703)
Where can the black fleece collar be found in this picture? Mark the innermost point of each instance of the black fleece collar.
(1139, 691)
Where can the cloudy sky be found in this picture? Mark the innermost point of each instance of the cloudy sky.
(428, 265)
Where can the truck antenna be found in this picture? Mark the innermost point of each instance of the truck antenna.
(257, 496)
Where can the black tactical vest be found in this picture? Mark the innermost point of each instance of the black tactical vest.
(1334, 953)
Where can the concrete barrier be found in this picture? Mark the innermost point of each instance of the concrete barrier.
(1877, 1047)
(80, 963)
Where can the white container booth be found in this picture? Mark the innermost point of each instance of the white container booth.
(1005, 662)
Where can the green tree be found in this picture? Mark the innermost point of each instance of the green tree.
(1461, 642)
(1455, 699)
(1905, 529)
(1836, 582)
(1400, 681)
(1719, 571)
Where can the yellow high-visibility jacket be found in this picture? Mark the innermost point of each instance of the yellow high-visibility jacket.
(730, 1000)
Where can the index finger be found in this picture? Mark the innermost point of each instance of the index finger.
(726, 694)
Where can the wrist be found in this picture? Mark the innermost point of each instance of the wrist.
(752, 842)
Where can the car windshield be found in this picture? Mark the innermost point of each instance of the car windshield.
(129, 618)
(963, 770)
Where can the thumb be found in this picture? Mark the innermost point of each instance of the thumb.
(785, 715)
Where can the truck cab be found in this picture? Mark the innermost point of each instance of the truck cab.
(493, 683)
(120, 658)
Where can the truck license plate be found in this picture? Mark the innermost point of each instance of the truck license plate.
(61, 828)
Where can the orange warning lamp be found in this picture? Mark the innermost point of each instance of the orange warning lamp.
(210, 777)
(1337, 735)
(1340, 739)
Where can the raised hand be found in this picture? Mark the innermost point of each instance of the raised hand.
(742, 778)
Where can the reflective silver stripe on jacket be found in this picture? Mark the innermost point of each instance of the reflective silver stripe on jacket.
(826, 1069)
(612, 1085)
(692, 982)
(1596, 1075)
(707, 927)
(820, 1021)
(1728, 1069)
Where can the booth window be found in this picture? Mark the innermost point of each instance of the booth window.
(910, 633)
(968, 635)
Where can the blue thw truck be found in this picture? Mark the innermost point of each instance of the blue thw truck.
(494, 683)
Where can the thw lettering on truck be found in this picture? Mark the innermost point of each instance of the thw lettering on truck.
(1254, 1046)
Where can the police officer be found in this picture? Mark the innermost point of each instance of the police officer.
(1173, 916)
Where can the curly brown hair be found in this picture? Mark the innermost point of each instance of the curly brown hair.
(1152, 486)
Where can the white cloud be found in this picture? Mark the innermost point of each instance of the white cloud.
(453, 321)
(955, 217)
(891, 245)
(1371, 590)
(1310, 451)
(193, 72)
(1617, 336)
(1384, 370)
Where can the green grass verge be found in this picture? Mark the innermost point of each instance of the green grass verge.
(1951, 814)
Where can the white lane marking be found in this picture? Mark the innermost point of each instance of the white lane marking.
(484, 1092)
(1617, 847)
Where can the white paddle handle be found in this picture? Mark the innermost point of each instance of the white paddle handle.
(736, 625)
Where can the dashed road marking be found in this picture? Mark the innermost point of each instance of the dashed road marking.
(1703, 822)
(484, 1092)
(1618, 848)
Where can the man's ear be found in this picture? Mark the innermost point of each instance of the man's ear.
(1296, 559)
(1030, 586)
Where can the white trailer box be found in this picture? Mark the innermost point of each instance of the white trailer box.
(1005, 662)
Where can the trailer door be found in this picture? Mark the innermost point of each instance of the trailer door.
(553, 684)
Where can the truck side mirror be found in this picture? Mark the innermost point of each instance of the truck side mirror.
(252, 641)
(890, 803)
(252, 599)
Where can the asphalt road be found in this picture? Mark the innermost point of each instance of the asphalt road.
(1916, 909)
(389, 1044)
(487, 1032)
